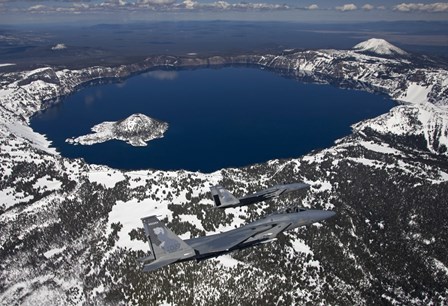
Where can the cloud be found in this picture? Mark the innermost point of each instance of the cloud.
(347, 7)
(312, 7)
(38, 7)
(221, 5)
(224, 6)
(83, 6)
(43, 9)
(119, 2)
(114, 3)
(420, 7)
(154, 2)
(59, 47)
(367, 7)
(261, 6)
(190, 4)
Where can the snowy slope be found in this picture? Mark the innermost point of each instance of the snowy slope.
(379, 46)
(426, 122)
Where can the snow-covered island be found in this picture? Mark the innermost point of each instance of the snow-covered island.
(136, 130)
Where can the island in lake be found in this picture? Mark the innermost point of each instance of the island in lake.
(136, 130)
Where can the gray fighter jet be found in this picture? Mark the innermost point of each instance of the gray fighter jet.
(167, 248)
(224, 199)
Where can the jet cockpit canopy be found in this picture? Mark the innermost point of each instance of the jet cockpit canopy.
(291, 210)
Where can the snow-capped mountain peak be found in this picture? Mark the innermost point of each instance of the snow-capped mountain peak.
(139, 124)
(379, 46)
(133, 122)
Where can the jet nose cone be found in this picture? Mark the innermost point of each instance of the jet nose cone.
(298, 186)
(320, 215)
(328, 214)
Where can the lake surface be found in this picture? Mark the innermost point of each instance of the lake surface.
(217, 118)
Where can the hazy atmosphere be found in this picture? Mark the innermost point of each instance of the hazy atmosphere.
(112, 11)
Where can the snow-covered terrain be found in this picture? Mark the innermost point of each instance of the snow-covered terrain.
(70, 231)
(6, 64)
(379, 46)
(136, 130)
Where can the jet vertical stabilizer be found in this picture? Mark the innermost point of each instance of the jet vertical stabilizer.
(166, 247)
(223, 198)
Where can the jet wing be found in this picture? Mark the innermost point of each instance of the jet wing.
(158, 264)
(230, 240)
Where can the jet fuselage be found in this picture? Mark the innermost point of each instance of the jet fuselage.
(168, 248)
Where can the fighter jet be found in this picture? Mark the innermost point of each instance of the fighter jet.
(224, 199)
(167, 248)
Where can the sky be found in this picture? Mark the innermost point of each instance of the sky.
(116, 11)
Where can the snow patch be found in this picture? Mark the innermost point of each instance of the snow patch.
(52, 252)
(10, 197)
(7, 64)
(105, 177)
(129, 215)
(320, 186)
(443, 176)
(228, 261)
(300, 246)
(364, 161)
(440, 266)
(416, 93)
(380, 148)
(47, 183)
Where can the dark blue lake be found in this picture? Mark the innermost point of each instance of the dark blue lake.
(217, 118)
